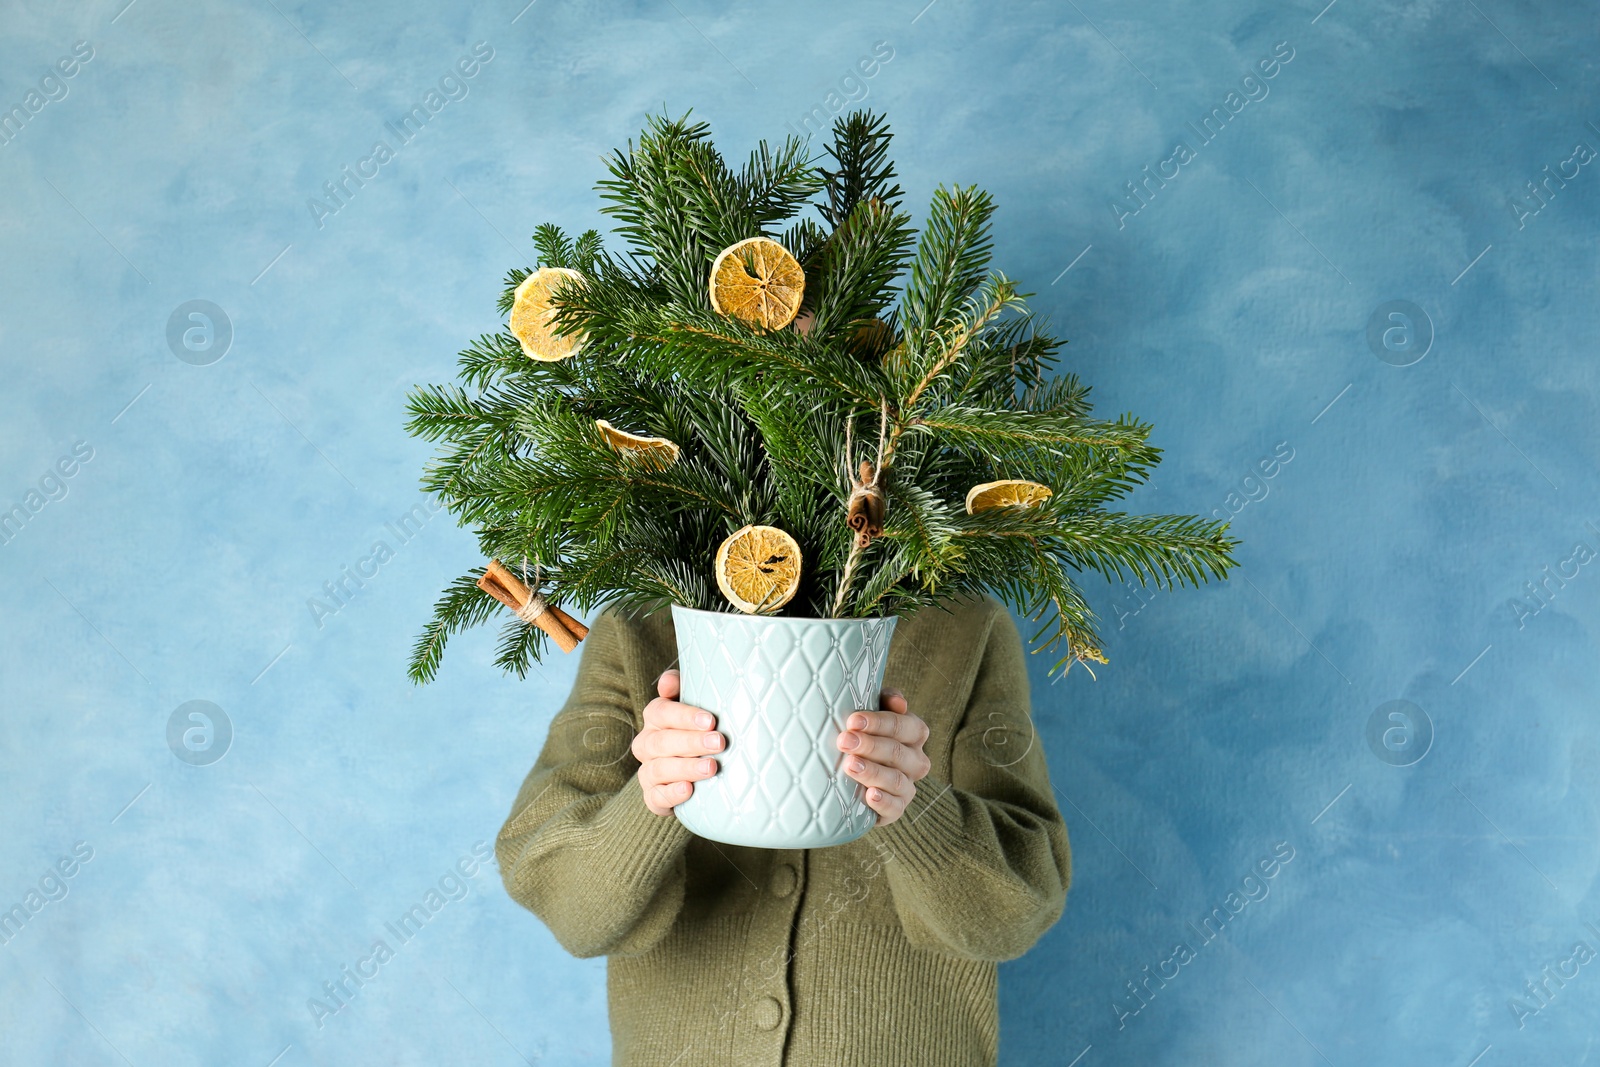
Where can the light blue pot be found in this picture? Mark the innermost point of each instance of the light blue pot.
(781, 689)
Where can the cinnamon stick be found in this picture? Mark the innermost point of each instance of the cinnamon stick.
(579, 630)
(531, 607)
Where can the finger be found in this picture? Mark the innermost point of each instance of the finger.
(908, 759)
(877, 775)
(669, 770)
(889, 806)
(666, 714)
(663, 798)
(657, 743)
(902, 726)
(670, 684)
(893, 700)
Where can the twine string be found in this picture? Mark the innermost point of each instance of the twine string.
(535, 607)
(883, 431)
(849, 447)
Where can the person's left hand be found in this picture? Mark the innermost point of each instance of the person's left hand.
(884, 753)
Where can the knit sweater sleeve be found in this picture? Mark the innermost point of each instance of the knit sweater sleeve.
(981, 862)
(580, 848)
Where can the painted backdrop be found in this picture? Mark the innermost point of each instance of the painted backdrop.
(1342, 257)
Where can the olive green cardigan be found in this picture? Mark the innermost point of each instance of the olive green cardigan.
(879, 952)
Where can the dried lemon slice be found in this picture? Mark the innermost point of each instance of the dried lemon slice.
(531, 315)
(657, 453)
(1009, 492)
(758, 569)
(759, 282)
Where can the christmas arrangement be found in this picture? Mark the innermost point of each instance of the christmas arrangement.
(775, 397)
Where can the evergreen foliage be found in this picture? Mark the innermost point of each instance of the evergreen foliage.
(957, 374)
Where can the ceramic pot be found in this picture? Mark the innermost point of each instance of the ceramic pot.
(781, 689)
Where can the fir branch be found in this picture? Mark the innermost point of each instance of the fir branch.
(553, 246)
(947, 344)
(491, 359)
(803, 240)
(1158, 550)
(923, 524)
(715, 351)
(585, 251)
(925, 548)
(883, 585)
(860, 147)
(650, 192)
(508, 289)
(1059, 605)
(776, 185)
(856, 266)
(1063, 395)
(951, 259)
(463, 605)
(520, 645)
(1009, 357)
(445, 412)
(574, 457)
(998, 430)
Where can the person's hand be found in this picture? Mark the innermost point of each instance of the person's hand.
(674, 735)
(884, 753)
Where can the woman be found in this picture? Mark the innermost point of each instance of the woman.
(881, 951)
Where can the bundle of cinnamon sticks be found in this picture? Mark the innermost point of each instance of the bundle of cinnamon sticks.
(532, 607)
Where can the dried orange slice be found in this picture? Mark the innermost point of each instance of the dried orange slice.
(1009, 492)
(759, 282)
(657, 453)
(531, 315)
(758, 569)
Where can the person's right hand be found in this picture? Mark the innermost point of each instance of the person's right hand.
(668, 747)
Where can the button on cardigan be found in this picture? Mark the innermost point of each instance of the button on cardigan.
(882, 951)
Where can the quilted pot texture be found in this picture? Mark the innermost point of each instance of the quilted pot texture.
(781, 689)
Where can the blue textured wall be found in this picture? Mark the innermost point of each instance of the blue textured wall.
(1395, 510)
